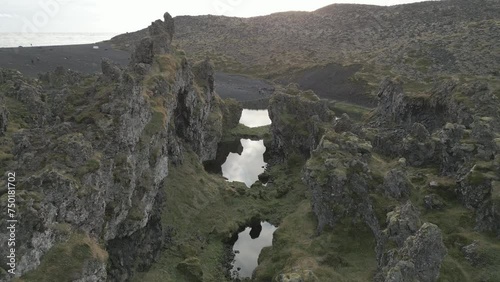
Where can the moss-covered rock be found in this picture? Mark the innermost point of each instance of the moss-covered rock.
(296, 120)
(231, 112)
(191, 268)
(420, 257)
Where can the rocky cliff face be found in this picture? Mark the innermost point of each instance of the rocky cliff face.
(419, 259)
(296, 117)
(92, 153)
(378, 172)
(338, 176)
(4, 119)
(456, 127)
(419, 40)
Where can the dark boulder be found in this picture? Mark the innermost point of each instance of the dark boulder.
(110, 70)
(143, 52)
(397, 185)
(403, 222)
(419, 259)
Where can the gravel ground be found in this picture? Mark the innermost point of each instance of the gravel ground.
(241, 88)
(83, 58)
(333, 81)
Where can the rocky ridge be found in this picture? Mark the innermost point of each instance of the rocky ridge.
(92, 153)
(380, 173)
(296, 117)
(421, 42)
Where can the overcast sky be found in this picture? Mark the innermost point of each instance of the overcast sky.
(123, 16)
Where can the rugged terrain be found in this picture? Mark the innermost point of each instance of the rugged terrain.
(110, 182)
(421, 42)
(92, 154)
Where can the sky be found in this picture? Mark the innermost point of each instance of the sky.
(124, 16)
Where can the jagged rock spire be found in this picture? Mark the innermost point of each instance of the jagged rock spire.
(158, 42)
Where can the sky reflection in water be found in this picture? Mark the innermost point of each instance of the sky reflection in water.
(247, 166)
(255, 118)
(249, 249)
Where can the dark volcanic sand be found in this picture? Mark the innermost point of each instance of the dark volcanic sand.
(242, 88)
(83, 58)
(333, 81)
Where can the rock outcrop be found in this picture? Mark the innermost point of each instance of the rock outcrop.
(110, 70)
(158, 42)
(403, 222)
(451, 134)
(296, 119)
(303, 276)
(397, 185)
(339, 178)
(419, 259)
(94, 153)
(4, 118)
(231, 110)
(456, 127)
(431, 110)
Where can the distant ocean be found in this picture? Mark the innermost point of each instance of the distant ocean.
(51, 39)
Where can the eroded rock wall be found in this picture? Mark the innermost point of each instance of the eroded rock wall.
(94, 152)
(296, 120)
(450, 134)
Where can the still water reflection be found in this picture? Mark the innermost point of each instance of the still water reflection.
(248, 246)
(255, 118)
(247, 166)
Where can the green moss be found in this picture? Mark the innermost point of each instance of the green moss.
(154, 155)
(156, 124)
(495, 192)
(477, 178)
(445, 188)
(191, 269)
(345, 252)
(353, 111)
(64, 261)
(19, 114)
(136, 212)
(200, 205)
(382, 205)
(121, 169)
(423, 63)
(92, 165)
(242, 131)
(295, 160)
(310, 95)
(451, 271)
(63, 228)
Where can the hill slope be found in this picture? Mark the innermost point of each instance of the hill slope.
(422, 42)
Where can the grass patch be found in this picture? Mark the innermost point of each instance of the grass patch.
(355, 112)
(64, 261)
(156, 124)
(205, 211)
(243, 131)
(92, 165)
(346, 253)
(19, 114)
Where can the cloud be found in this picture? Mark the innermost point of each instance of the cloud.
(9, 16)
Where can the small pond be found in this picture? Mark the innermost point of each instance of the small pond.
(247, 165)
(242, 160)
(255, 118)
(247, 247)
